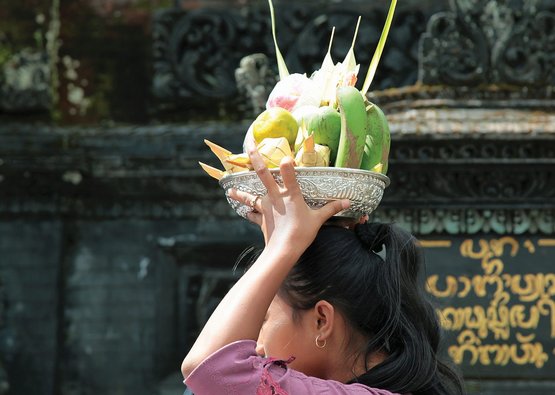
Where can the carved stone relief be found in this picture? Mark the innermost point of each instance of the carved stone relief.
(197, 52)
(25, 82)
(489, 41)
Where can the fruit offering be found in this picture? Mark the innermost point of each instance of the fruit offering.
(319, 121)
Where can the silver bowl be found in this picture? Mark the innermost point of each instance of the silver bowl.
(319, 186)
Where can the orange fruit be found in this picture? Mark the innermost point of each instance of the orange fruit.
(273, 123)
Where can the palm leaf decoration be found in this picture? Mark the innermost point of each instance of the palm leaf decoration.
(379, 49)
(282, 67)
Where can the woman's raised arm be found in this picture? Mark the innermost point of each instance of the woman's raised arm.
(289, 226)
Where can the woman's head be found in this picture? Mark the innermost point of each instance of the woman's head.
(305, 335)
(379, 302)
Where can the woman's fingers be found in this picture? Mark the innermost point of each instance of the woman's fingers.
(287, 170)
(261, 169)
(255, 217)
(248, 199)
(333, 208)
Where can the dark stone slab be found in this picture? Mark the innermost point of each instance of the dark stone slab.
(120, 307)
(30, 254)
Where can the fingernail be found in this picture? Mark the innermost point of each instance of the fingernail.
(345, 203)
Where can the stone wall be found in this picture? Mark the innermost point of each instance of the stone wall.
(114, 246)
(115, 251)
(92, 298)
(134, 61)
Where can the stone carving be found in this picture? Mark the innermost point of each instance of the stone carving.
(254, 79)
(469, 221)
(489, 41)
(25, 82)
(197, 52)
(488, 185)
(194, 53)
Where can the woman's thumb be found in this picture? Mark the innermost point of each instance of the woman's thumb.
(333, 208)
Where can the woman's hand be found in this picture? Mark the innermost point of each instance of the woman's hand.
(282, 214)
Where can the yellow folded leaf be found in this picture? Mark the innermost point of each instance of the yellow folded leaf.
(273, 150)
(239, 160)
(212, 171)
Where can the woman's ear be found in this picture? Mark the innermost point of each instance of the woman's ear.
(324, 319)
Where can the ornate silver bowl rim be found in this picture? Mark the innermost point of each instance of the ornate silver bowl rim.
(319, 186)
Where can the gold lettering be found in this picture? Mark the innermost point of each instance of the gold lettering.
(468, 342)
(525, 339)
(547, 307)
(502, 353)
(449, 291)
(498, 245)
(517, 317)
(467, 286)
(550, 279)
(530, 246)
(435, 243)
(546, 242)
(532, 354)
(467, 249)
(519, 354)
(498, 320)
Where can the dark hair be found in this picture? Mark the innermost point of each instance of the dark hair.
(383, 299)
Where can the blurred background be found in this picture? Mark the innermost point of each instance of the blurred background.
(115, 246)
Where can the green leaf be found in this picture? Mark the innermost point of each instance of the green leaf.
(282, 67)
(379, 49)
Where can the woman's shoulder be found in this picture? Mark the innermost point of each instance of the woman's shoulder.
(331, 387)
(237, 369)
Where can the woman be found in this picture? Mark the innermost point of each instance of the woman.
(320, 311)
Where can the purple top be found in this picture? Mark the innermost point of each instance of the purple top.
(237, 369)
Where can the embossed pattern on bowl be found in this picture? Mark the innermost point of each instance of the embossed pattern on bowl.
(319, 186)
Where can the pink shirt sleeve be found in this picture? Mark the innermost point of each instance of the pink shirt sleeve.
(236, 369)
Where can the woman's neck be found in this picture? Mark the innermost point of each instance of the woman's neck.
(342, 373)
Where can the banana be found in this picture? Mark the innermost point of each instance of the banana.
(378, 140)
(325, 124)
(312, 155)
(353, 127)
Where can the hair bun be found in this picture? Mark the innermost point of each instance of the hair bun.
(372, 235)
